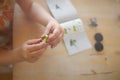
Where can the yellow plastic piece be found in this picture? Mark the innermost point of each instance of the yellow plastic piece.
(45, 39)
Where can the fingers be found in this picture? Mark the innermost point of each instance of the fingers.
(30, 42)
(49, 28)
(34, 56)
(55, 32)
(35, 47)
(31, 45)
(56, 41)
(54, 35)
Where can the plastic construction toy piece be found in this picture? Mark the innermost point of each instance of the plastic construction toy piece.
(98, 37)
(99, 46)
(93, 22)
(45, 38)
(42, 39)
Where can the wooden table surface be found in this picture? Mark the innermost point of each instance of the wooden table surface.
(56, 64)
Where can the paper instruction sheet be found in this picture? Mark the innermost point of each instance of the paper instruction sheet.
(62, 10)
(75, 37)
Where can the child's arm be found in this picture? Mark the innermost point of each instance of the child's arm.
(37, 13)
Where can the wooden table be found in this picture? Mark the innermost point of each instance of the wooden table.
(56, 64)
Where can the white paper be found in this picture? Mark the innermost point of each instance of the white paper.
(75, 37)
(62, 10)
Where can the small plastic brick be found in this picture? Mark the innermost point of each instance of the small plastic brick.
(45, 39)
(93, 22)
(99, 46)
(98, 37)
(42, 39)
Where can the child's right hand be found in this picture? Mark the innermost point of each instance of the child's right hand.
(30, 51)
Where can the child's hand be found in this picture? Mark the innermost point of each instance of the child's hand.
(31, 51)
(55, 32)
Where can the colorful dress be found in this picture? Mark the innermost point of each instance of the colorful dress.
(6, 20)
